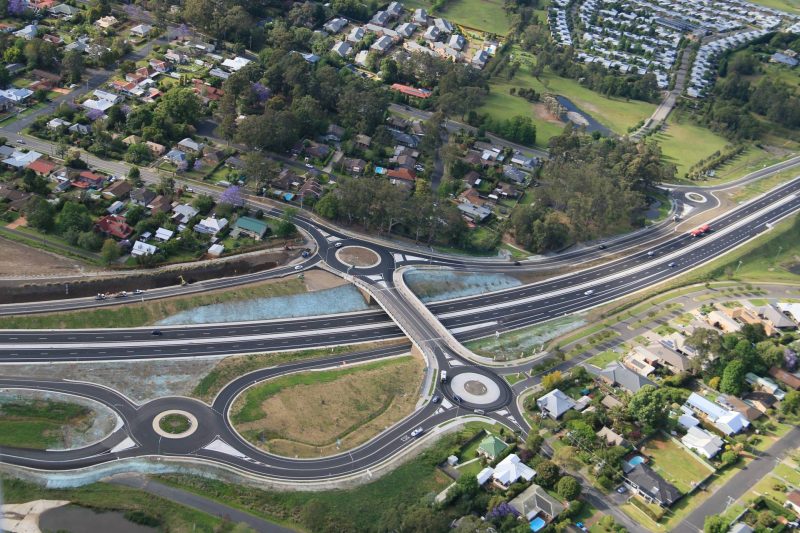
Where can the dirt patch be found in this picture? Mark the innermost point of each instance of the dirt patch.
(541, 112)
(18, 259)
(306, 420)
(20, 222)
(357, 256)
(318, 280)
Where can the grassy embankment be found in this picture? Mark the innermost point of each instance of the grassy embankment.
(313, 414)
(40, 425)
(150, 311)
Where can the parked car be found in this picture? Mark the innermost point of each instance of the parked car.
(622, 489)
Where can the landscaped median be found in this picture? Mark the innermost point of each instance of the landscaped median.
(319, 413)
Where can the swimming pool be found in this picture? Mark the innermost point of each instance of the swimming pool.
(636, 460)
(537, 524)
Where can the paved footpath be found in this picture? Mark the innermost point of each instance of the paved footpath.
(201, 503)
(741, 483)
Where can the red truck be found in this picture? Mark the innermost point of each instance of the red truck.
(705, 228)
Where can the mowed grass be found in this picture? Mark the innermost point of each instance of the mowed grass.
(675, 464)
(319, 413)
(105, 497)
(142, 314)
(615, 113)
(485, 15)
(751, 190)
(684, 144)
(40, 425)
(790, 6)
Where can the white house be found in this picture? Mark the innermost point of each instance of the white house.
(142, 30)
(485, 475)
(555, 403)
(728, 422)
(211, 225)
(142, 248)
(164, 234)
(510, 470)
(236, 63)
(702, 442)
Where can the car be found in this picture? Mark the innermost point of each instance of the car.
(338, 244)
(672, 264)
(517, 263)
(589, 292)
(156, 332)
(480, 412)
(457, 398)
(100, 296)
(138, 291)
(309, 165)
(622, 489)
(305, 253)
(436, 398)
(298, 267)
(581, 526)
(417, 432)
(20, 141)
(651, 253)
(602, 247)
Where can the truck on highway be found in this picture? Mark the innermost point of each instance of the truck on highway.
(443, 376)
(697, 232)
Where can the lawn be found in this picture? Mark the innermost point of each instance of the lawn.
(617, 114)
(314, 414)
(471, 469)
(751, 190)
(675, 464)
(103, 496)
(484, 15)
(40, 425)
(151, 311)
(790, 6)
(603, 358)
(684, 143)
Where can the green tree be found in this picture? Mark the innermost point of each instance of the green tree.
(715, 524)
(89, 240)
(73, 216)
(534, 441)
(179, 104)
(648, 407)
(733, 381)
(328, 207)
(204, 203)
(72, 66)
(547, 474)
(109, 251)
(730, 457)
(568, 488)
(40, 214)
(790, 405)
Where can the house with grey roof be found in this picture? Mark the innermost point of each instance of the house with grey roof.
(617, 375)
(380, 18)
(382, 45)
(555, 403)
(649, 485)
(395, 9)
(420, 16)
(444, 25)
(342, 49)
(335, 25)
(431, 34)
(535, 501)
(406, 29)
(457, 42)
(356, 34)
(480, 59)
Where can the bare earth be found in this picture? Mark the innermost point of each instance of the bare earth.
(357, 256)
(16, 259)
(306, 420)
(542, 113)
(318, 280)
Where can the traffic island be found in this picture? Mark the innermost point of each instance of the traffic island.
(175, 424)
(358, 257)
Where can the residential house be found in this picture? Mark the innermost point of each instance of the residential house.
(131, 139)
(236, 64)
(156, 149)
(211, 225)
(638, 363)
(183, 213)
(141, 30)
(5, 104)
(80, 129)
(793, 501)
(491, 447)
(722, 321)
(64, 11)
(335, 133)
(535, 501)
(89, 180)
(727, 421)
(480, 59)
(431, 34)
(160, 66)
(118, 190)
(311, 188)
(190, 146)
(764, 384)
(342, 48)
(402, 174)
(611, 437)
(745, 408)
(406, 29)
(356, 34)
(164, 234)
(176, 157)
(42, 167)
(702, 442)
(207, 92)
(317, 150)
(142, 248)
(395, 9)
(650, 486)
(484, 475)
(475, 213)
(159, 204)
(53, 39)
(665, 356)
(740, 527)
(353, 166)
(216, 250)
(457, 42)
(444, 25)
(510, 470)
(17, 96)
(420, 16)
(335, 25)
(250, 227)
(790, 380)
(555, 403)
(114, 226)
(19, 159)
(380, 18)
(382, 44)
(407, 90)
(16, 199)
(514, 174)
(617, 375)
(28, 32)
(363, 141)
(142, 196)
(106, 22)
(213, 157)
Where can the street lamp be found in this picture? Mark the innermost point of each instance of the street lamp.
(737, 267)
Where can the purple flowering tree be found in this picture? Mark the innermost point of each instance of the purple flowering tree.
(502, 510)
(232, 196)
(16, 7)
(94, 114)
(198, 164)
(790, 359)
(261, 91)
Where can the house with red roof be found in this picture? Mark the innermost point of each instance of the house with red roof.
(404, 174)
(411, 91)
(114, 226)
(88, 179)
(42, 167)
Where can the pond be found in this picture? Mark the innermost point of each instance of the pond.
(76, 519)
(343, 299)
(581, 117)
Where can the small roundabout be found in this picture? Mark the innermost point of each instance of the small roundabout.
(477, 388)
(695, 197)
(358, 257)
(175, 424)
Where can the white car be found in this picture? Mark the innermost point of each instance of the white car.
(651, 253)
(417, 432)
(299, 267)
(589, 292)
(309, 165)
(338, 245)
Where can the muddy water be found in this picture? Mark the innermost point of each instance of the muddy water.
(76, 519)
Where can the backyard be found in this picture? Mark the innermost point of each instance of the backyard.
(675, 464)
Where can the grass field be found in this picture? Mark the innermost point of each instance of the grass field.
(318, 413)
(617, 114)
(40, 425)
(375, 503)
(485, 15)
(675, 464)
(603, 358)
(684, 144)
(149, 312)
(790, 6)
(102, 496)
(751, 190)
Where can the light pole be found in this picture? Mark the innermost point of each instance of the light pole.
(737, 267)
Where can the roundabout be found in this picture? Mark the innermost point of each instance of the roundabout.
(358, 257)
(175, 424)
(696, 197)
(478, 389)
